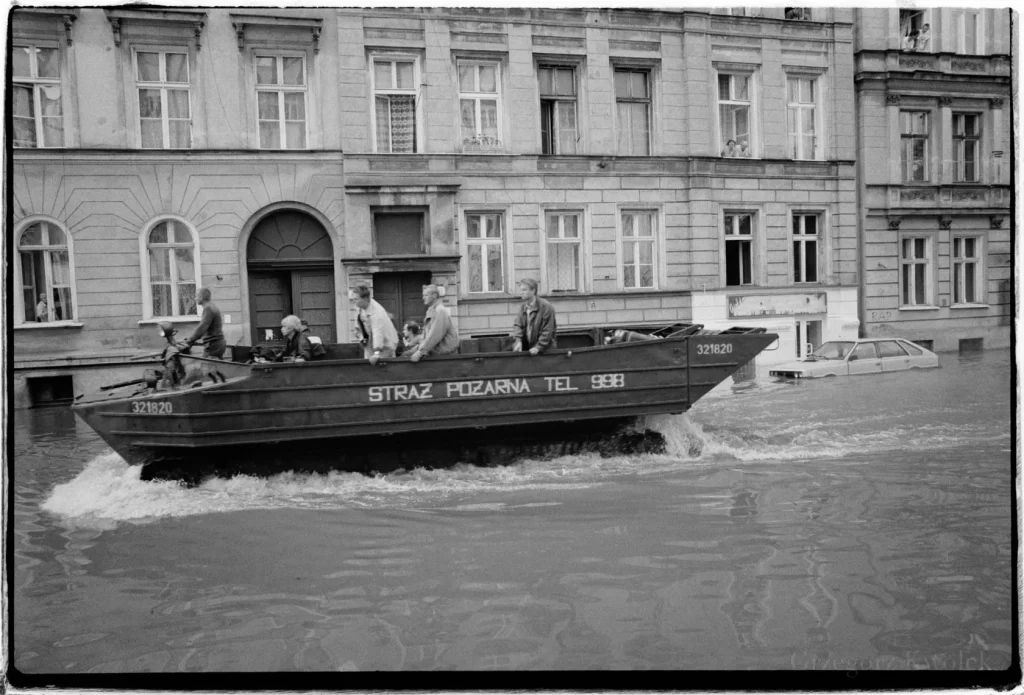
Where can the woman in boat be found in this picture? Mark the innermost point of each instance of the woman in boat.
(298, 345)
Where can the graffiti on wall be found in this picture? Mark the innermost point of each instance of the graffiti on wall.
(747, 305)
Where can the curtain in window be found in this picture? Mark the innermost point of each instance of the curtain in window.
(177, 67)
(565, 113)
(24, 117)
(563, 266)
(396, 123)
(186, 273)
(60, 267)
(295, 120)
(179, 119)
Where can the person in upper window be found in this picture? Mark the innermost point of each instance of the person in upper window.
(742, 149)
(439, 334)
(210, 329)
(374, 327)
(42, 309)
(730, 149)
(923, 38)
(535, 327)
(909, 40)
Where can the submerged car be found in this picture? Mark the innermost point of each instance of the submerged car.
(865, 356)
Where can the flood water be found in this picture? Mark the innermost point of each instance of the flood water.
(845, 523)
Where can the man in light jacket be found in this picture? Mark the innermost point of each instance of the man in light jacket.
(535, 325)
(377, 332)
(439, 334)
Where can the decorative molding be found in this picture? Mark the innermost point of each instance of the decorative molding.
(559, 41)
(894, 223)
(945, 222)
(971, 65)
(67, 20)
(968, 194)
(121, 18)
(906, 62)
(241, 22)
(892, 99)
(945, 101)
(65, 15)
(996, 103)
(995, 222)
(917, 194)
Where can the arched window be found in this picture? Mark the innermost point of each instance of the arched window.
(45, 273)
(172, 270)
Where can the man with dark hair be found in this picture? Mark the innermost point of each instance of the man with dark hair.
(535, 326)
(210, 329)
(376, 330)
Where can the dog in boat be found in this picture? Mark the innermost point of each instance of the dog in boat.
(621, 335)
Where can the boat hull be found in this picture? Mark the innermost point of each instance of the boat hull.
(349, 399)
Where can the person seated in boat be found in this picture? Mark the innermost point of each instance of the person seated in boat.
(174, 370)
(535, 326)
(439, 334)
(210, 329)
(375, 329)
(299, 347)
(412, 335)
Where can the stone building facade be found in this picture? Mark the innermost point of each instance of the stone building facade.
(644, 166)
(934, 165)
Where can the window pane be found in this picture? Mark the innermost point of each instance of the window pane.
(740, 83)
(811, 261)
(181, 134)
(493, 226)
(970, 250)
(382, 75)
(179, 233)
(268, 107)
(184, 265)
(638, 85)
(23, 104)
(792, 90)
(645, 225)
(32, 236)
(177, 103)
(495, 282)
(48, 62)
(149, 103)
(723, 87)
(55, 235)
(565, 85)
(159, 235)
(405, 75)
(563, 266)
(745, 249)
(639, 129)
(919, 280)
(628, 264)
(383, 115)
(21, 61)
(488, 78)
(295, 135)
(62, 308)
(744, 224)
(969, 283)
(473, 226)
(957, 245)
(177, 67)
(552, 227)
(627, 225)
(292, 69)
(623, 139)
(570, 226)
(295, 106)
(566, 114)
(149, 66)
(162, 299)
(266, 70)
(467, 77)
(159, 264)
(621, 84)
(467, 109)
(810, 224)
(403, 123)
(919, 247)
(489, 118)
(270, 134)
(906, 284)
(186, 298)
(547, 80)
(152, 133)
(476, 277)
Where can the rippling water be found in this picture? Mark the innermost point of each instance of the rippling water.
(859, 522)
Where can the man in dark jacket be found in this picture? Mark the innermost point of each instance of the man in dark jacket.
(210, 329)
(535, 325)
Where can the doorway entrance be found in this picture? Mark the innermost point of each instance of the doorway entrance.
(401, 294)
(290, 260)
(808, 337)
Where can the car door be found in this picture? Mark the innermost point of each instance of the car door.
(892, 355)
(863, 359)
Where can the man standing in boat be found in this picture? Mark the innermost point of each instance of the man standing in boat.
(210, 329)
(535, 326)
(376, 330)
(439, 334)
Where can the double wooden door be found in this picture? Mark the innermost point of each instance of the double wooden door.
(277, 292)
(401, 294)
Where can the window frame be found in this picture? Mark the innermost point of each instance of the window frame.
(147, 286)
(415, 92)
(928, 260)
(505, 243)
(577, 68)
(755, 246)
(960, 143)
(817, 104)
(19, 283)
(35, 82)
(925, 15)
(657, 251)
(957, 264)
(281, 89)
(802, 238)
(163, 86)
(753, 151)
(584, 272)
(648, 72)
(960, 31)
(478, 96)
(908, 138)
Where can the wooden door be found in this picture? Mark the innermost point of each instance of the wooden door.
(314, 301)
(270, 300)
(401, 294)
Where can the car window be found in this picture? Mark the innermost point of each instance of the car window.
(890, 348)
(912, 349)
(864, 351)
(833, 350)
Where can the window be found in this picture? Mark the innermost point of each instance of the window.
(734, 115)
(564, 251)
(967, 27)
(162, 80)
(915, 31)
(802, 117)
(890, 348)
(739, 228)
(480, 105)
(966, 136)
(639, 248)
(399, 231)
(915, 271)
(172, 270)
(803, 13)
(37, 117)
(808, 337)
(864, 351)
(485, 245)
(558, 129)
(805, 247)
(46, 273)
(914, 145)
(395, 94)
(967, 276)
(281, 101)
(633, 105)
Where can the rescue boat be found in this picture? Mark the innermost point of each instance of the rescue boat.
(389, 415)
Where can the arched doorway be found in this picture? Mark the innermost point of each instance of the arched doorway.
(290, 261)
